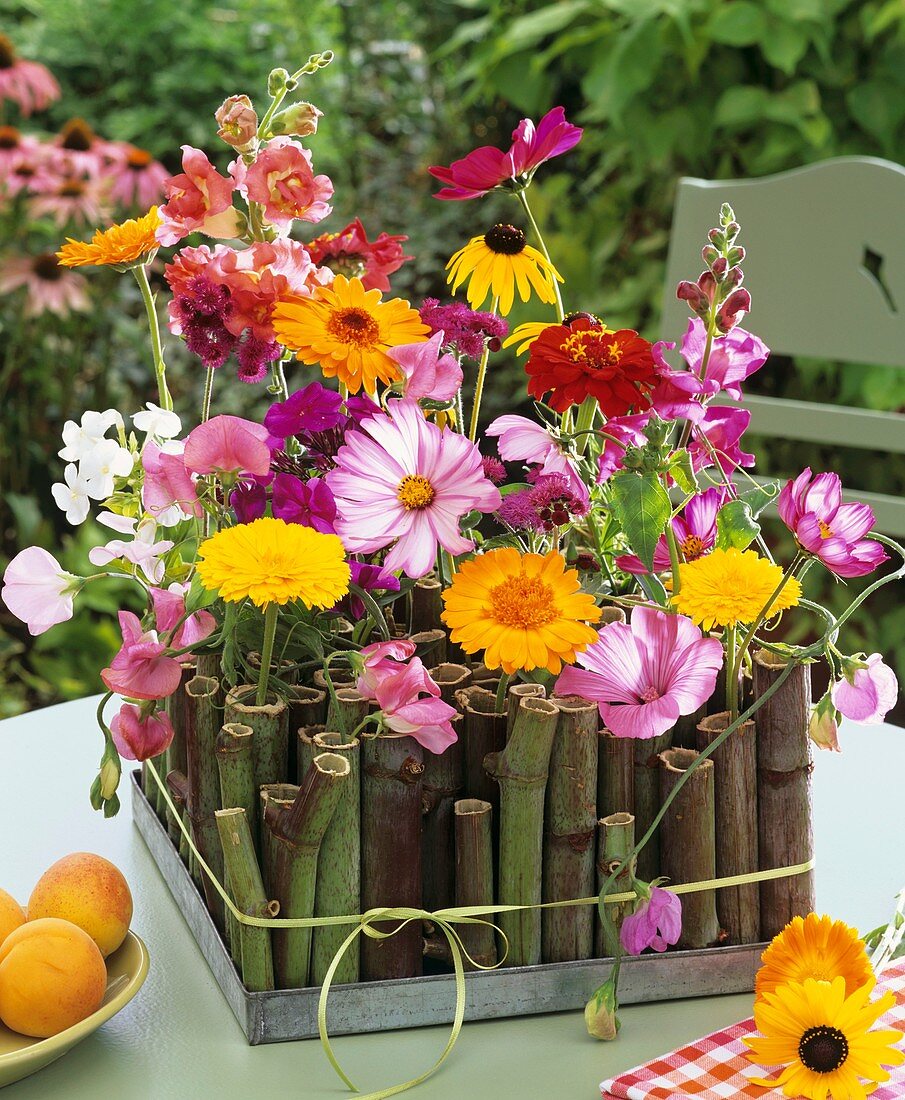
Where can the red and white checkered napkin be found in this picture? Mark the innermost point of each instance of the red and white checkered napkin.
(717, 1066)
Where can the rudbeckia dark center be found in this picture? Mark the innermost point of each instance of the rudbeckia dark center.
(9, 135)
(506, 239)
(7, 53)
(46, 267)
(77, 136)
(823, 1049)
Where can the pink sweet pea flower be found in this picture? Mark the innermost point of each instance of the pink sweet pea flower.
(379, 660)
(401, 481)
(626, 431)
(282, 180)
(309, 503)
(723, 427)
(695, 532)
(228, 444)
(169, 607)
(141, 551)
(869, 690)
(400, 695)
(37, 590)
(168, 492)
(141, 669)
(487, 168)
(733, 357)
(645, 674)
(139, 737)
(426, 371)
(655, 923)
(825, 527)
(198, 199)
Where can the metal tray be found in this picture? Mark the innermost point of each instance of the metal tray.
(418, 1002)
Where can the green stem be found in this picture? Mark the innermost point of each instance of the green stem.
(160, 369)
(674, 561)
(500, 706)
(733, 658)
(584, 423)
(758, 623)
(479, 385)
(208, 391)
(377, 616)
(523, 199)
(271, 613)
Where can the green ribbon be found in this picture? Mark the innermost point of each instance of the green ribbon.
(445, 920)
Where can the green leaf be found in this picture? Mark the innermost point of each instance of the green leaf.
(735, 526)
(641, 506)
(198, 596)
(528, 30)
(785, 45)
(681, 468)
(760, 496)
(741, 106)
(741, 23)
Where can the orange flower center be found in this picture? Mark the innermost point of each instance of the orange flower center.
(825, 532)
(139, 158)
(7, 53)
(353, 326)
(415, 492)
(692, 547)
(71, 189)
(593, 351)
(524, 602)
(9, 136)
(77, 135)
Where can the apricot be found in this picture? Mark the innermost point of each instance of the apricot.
(11, 915)
(89, 891)
(52, 975)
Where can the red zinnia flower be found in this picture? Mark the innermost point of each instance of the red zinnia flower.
(350, 253)
(580, 359)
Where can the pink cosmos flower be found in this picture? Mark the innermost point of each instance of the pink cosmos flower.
(378, 660)
(28, 84)
(48, 287)
(655, 923)
(141, 669)
(723, 427)
(168, 492)
(136, 179)
(142, 551)
(282, 180)
(228, 444)
(733, 357)
(198, 199)
(645, 674)
(521, 439)
(139, 737)
(309, 503)
(695, 532)
(866, 694)
(412, 707)
(825, 527)
(626, 431)
(38, 590)
(487, 168)
(426, 371)
(169, 607)
(402, 481)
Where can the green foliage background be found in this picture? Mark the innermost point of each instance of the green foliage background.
(713, 88)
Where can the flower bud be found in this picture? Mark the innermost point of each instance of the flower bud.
(276, 82)
(732, 310)
(732, 231)
(109, 777)
(690, 292)
(709, 254)
(600, 1012)
(633, 459)
(720, 266)
(715, 236)
(734, 277)
(735, 255)
(299, 120)
(707, 283)
(727, 214)
(822, 727)
(238, 122)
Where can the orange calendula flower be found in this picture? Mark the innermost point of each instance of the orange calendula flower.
(524, 610)
(348, 331)
(125, 245)
(814, 947)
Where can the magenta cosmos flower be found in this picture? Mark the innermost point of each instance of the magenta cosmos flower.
(644, 674)
(695, 532)
(825, 527)
(401, 481)
(38, 590)
(655, 923)
(867, 692)
(488, 167)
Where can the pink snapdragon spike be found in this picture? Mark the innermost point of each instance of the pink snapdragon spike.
(723, 426)
(733, 357)
(237, 122)
(427, 371)
(656, 922)
(412, 707)
(381, 659)
(309, 503)
(169, 607)
(139, 737)
(626, 431)
(645, 674)
(695, 532)
(228, 445)
(141, 669)
(488, 167)
(869, 689)
(198, 199)
(825, 527)
(168, 492)
(281, 179)
(401, 481)
(38, 590)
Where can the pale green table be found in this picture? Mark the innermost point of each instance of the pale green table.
(179, 1041)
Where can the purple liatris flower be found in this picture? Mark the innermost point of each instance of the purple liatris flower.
(656, 922)
(830, 530)
(309, 503)
(644, 674)
(313, 409)
(868, 690)
(464, 330)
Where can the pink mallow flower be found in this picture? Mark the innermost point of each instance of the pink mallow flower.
(488, 167)
(830, 530)
(426, 371)
(168, 492)
(169, 607)
(656, 922)
(38, 590)
(142, 668)
(645, 674)
(869, 689)
(378, 660)
(228, 445)
(282, 180)
(199, 199)
(401, 481)
(412, 707)
(695, 532)
(138, 736)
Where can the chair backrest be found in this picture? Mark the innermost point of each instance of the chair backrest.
(826, 271)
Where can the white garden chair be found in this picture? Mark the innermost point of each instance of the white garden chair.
(826, 271)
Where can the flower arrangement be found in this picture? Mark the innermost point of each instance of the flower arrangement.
(604, 566)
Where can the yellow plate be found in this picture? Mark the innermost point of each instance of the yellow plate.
(20, 1056)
